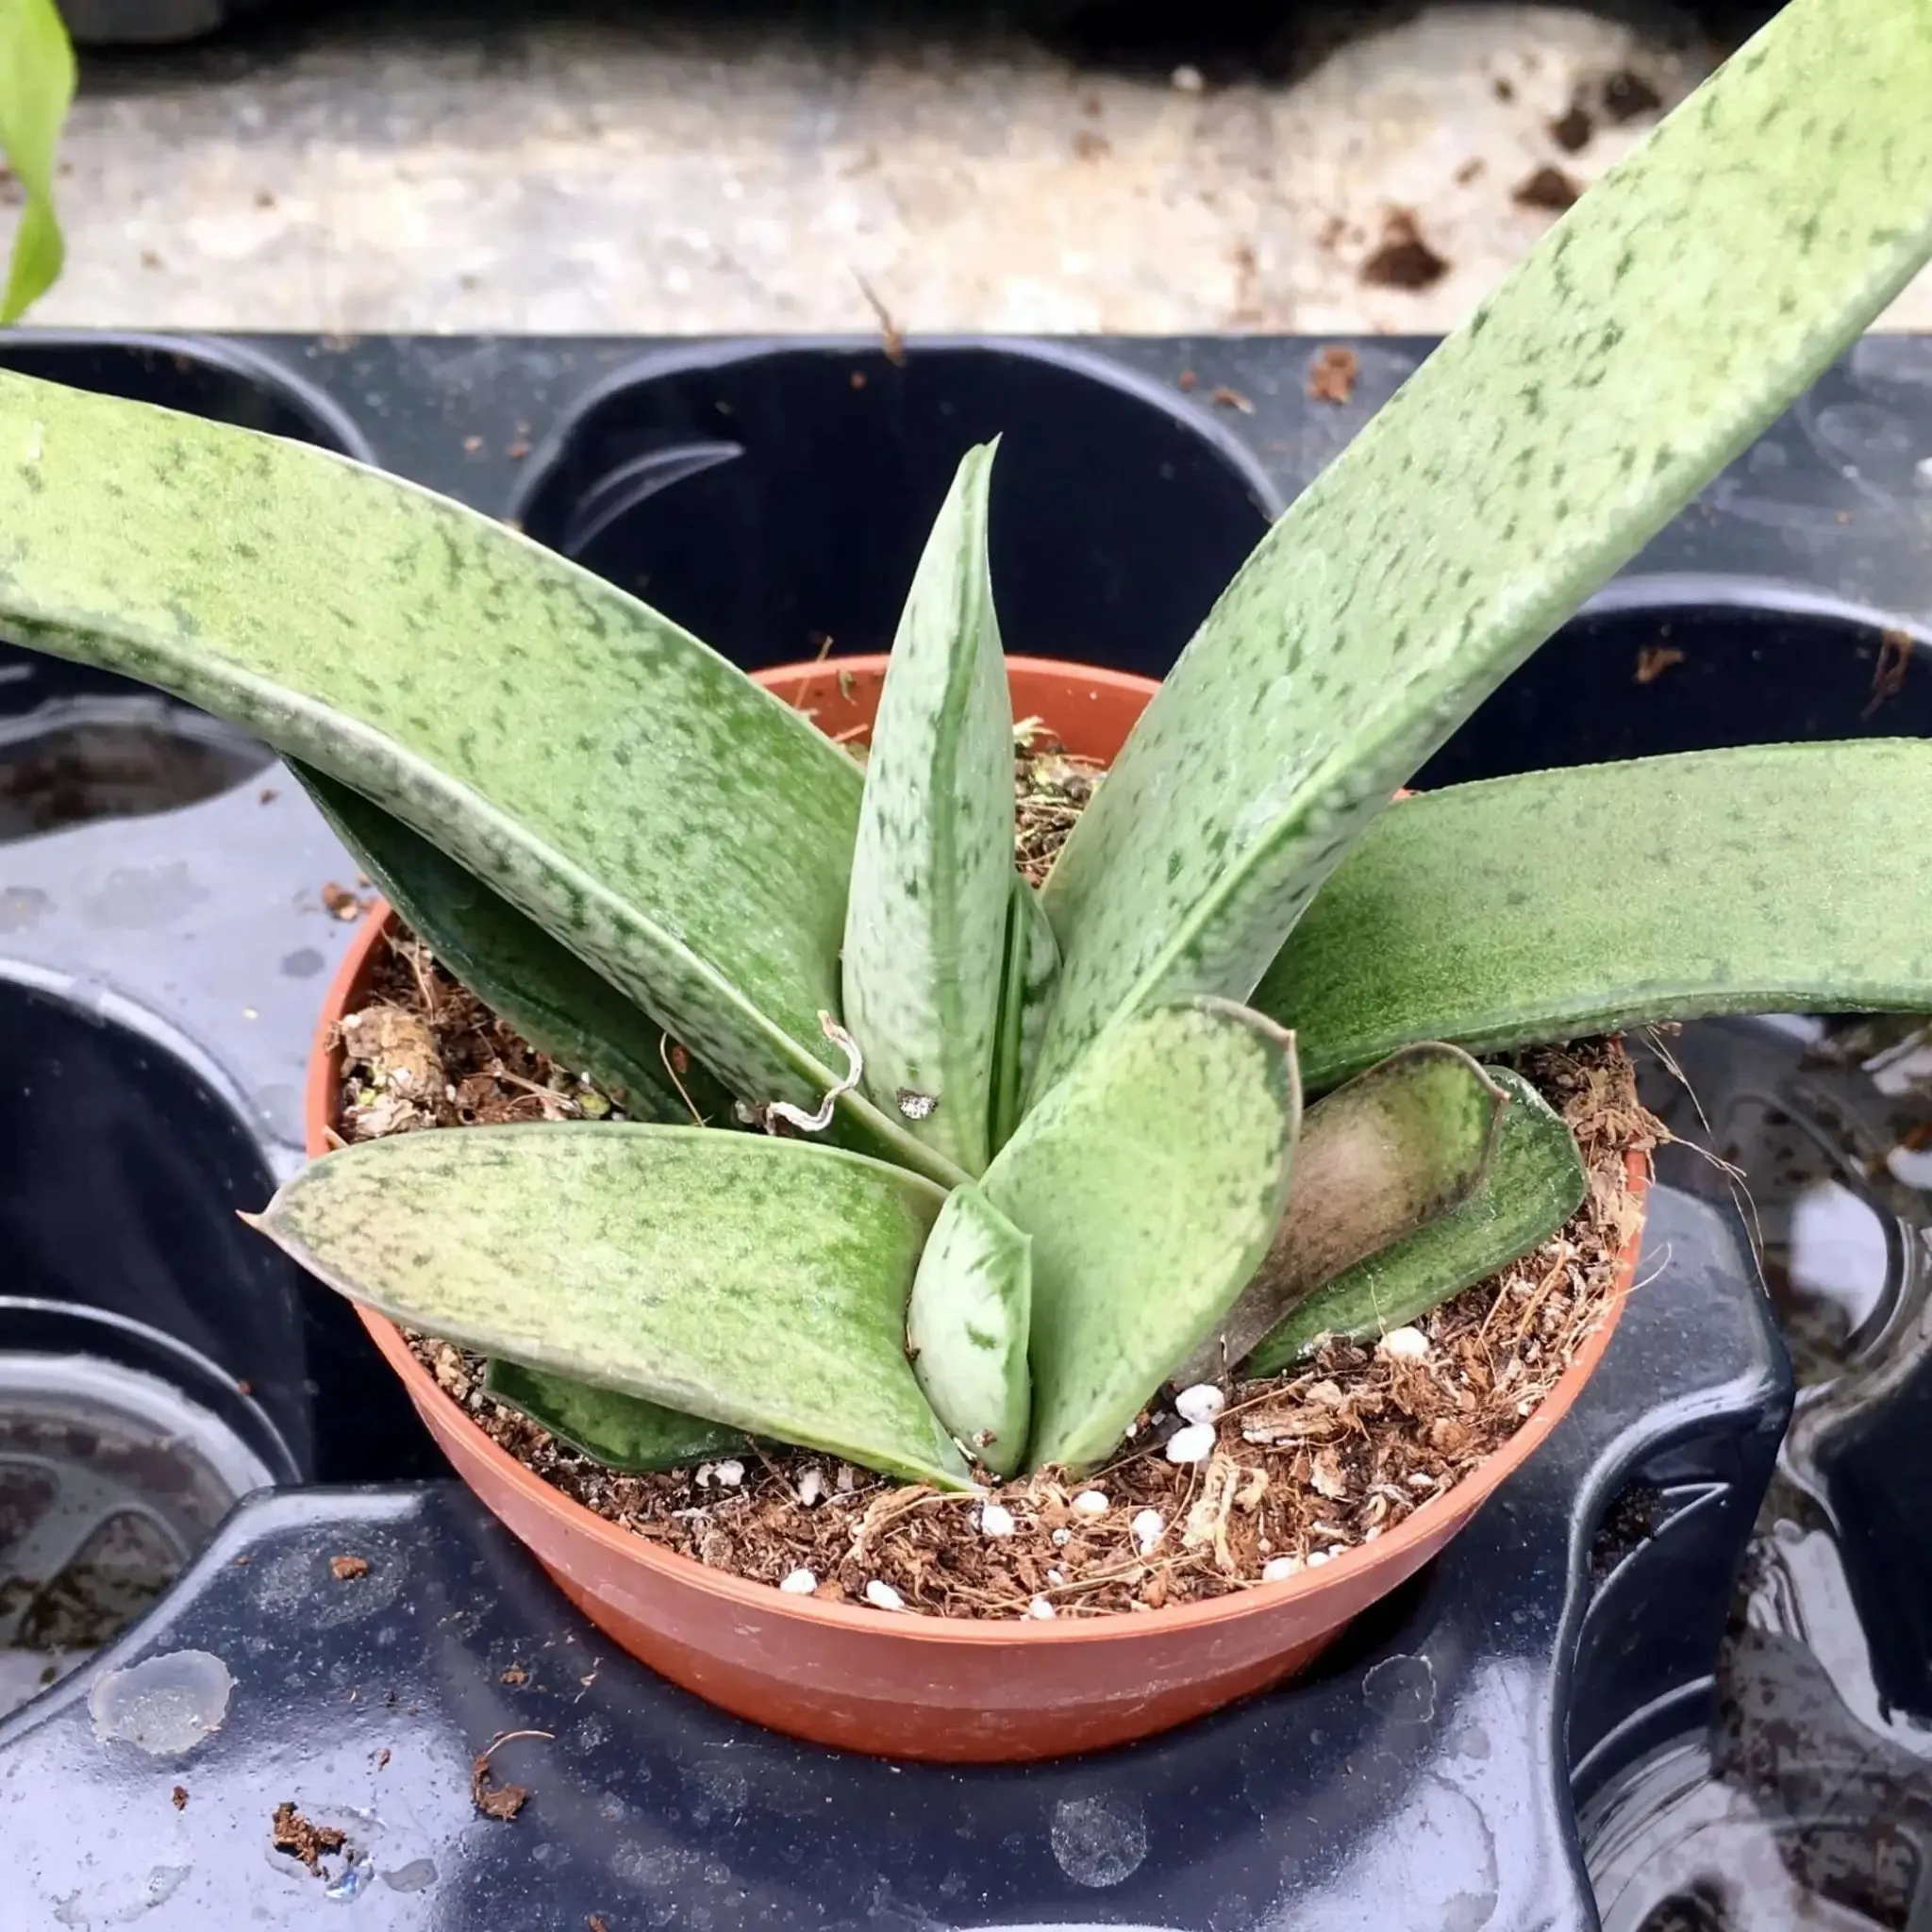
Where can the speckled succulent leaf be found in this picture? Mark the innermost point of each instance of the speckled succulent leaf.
(1398, 1147)
(1663, 322)
(1772, 878)
(1032, 965)
(36, 89)
(752, 1281)
(559, 1004)
(1535, 1183)
(967, 1325)
(624, 786)
(1152, 1181)
(620, 1431)
(925, 925)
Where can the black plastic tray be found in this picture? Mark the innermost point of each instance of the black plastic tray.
(159, 975)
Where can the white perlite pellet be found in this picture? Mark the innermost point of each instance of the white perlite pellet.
(1405, 1345)
(1200, 1403)
(1195, 1443)
(882, 1596)
(799, 1583)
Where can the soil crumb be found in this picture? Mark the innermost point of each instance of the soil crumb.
(294, 1834)
(1332, 374)
(1051, 789)
(1548, 188)
(347, 1568)
(1332, 1454)
(1573, 129)
(1404, 260)
(1628, 95)
(1653, 660)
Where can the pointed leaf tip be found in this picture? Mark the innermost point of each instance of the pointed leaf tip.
(926, 921)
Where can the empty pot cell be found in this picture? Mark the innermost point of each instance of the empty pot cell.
(121, 1451)
(771, 499)
(1636, 680)
(75, 744)
(123, 1168)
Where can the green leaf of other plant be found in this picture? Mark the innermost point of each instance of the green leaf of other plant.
(1772, 878)
(36, 91)
(756, 1282)
(1658, 328)
(555, 1001)
(624, 787)
(620, 1431)
(1151, 1182)
(1398, 1148)
(1536, 1182)
(926, 926)
(967, 1328)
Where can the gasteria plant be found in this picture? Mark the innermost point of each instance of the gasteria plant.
(1029, 1153)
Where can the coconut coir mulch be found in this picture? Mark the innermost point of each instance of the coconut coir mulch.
(1306, 1464)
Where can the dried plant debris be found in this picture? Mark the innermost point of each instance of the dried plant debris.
(1332, 374)
(1292, 1469)
(291, 1832)
(493, 1799)
(424, 1051)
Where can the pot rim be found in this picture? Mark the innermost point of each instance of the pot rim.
(1461, 1500)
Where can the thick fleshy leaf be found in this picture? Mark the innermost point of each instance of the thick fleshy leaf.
(620, 1431)
(749, 1280)
(1151, 1181)
(967, 1328)
(1032, 965)
(558, 1003)
(1663, 322)
(1772, 878)
(1390, 1151)
(36, 90)
(635, 794)
(1535, 1184)
(926, 926)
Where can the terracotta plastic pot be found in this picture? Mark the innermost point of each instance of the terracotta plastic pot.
(904, 1686)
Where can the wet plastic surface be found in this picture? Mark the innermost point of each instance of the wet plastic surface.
(158, 976)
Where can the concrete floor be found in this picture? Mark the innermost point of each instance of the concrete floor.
(580, 173)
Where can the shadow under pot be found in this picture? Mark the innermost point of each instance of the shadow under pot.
(950, 1689)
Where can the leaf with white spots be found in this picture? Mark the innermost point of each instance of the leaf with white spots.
(925, 925)
(966, 1328)
(637, 798)
(1151, 1182)
(1390, 1151)
(754, 1282)
(1535, 1183)
(1659, 326)
(559, 1004)
(1789, 878)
